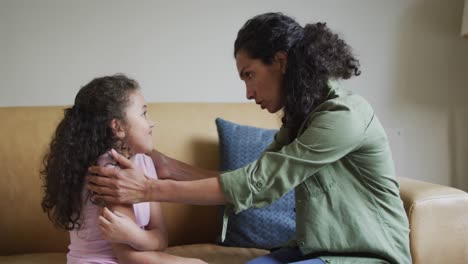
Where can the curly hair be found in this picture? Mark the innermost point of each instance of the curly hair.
(82, 135)
(315, 55)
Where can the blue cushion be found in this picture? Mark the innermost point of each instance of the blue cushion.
(265, 227)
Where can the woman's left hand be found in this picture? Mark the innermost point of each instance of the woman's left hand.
(117, 227)
(127, 185)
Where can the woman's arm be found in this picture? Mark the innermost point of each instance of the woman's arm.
(169, 168)
(129, 185)
(200, 192)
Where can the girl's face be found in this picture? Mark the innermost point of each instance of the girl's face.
(263, 81)
(138, 127)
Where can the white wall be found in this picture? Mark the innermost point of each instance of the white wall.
(414, 63)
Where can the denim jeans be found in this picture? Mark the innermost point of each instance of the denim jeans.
(283, 256)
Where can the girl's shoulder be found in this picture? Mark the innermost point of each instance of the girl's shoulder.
(106, 160)
(145, 163)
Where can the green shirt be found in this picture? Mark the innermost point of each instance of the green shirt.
(348, 208)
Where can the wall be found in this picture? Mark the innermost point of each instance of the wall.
(414, 63)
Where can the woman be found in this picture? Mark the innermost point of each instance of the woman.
(331, 149)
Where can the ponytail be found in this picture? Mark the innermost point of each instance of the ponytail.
(63, 181)
(320, 55)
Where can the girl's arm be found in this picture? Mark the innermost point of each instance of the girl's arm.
(145, 257)
(118, 227)
(154, 236)
(127, 254)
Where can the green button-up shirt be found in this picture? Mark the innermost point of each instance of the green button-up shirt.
(348, 208)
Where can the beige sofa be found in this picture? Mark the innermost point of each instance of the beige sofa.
(438, 214)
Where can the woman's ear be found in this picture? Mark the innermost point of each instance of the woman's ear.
(282, 58)
(118, 128)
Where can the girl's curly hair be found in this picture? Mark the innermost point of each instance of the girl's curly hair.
(82, 135)
(315, 55)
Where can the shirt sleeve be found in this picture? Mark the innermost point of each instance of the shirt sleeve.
(145, 164)
(328, 137)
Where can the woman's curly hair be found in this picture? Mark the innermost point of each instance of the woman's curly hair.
(81, 137)
(315, 56)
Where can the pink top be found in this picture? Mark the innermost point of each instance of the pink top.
(87, 245)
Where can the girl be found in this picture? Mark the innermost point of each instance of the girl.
(109, 113)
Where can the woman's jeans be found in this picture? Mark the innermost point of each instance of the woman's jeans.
(285, 255)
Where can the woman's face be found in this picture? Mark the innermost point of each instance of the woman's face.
(263, 82)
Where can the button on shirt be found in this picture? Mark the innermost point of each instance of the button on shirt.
(348, 208)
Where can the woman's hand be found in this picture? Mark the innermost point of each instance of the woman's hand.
(117, 227)
(124, 185)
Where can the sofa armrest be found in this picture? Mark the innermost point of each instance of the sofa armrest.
(438, 218)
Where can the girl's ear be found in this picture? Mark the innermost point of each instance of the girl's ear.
(118, 128)
(281, 57)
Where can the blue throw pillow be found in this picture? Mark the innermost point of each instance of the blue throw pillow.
(265, 227)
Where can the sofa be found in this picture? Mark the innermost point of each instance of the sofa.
(438, 215)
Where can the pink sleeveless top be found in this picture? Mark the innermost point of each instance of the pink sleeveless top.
(87, 245)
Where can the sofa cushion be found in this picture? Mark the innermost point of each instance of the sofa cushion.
(215, 254)
(265, 227)
(438, 217)
(36, 258)
(208, 252)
